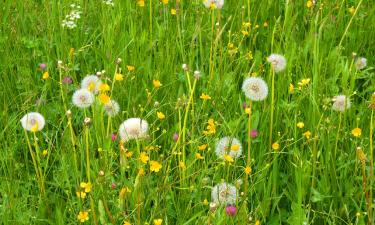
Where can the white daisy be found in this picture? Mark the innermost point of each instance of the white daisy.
(277, 61)
(133, 128)
(224, 193)
(83, 98)
(341, 103)
(361, 63)
(218, 4)
(91, 83)
(228, 146)
(33, 122)
(255, 88)
(112, 108)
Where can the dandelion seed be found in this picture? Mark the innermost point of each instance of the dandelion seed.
(112, 108)
(133, 128)
(33, 122)
(277, 61)
(361, 63)
(91, 83)
(155, 166)
(224, 193)
(357, 132)
(255, 88)
(83, 216)
(213, 4)
(83, 98)
(341, 103)
(225, 147)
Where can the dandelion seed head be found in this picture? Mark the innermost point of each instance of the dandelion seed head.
(228, 146)
(133, 128)
(277, 61)
(33, 121)
(218, 4)
(83, 98)
(361, 63)
(341, 103)
(112, 108)
(224, 193)
(91, 83)
(255, 88)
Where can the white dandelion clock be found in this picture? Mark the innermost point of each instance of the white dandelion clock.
(361, 63)
(83, 98)
(91, 83)
(33, 122)
(133, 128)
(111, 108)
(224, 194)
(341, 103)
(277, 61)
(255, 88)
(228, 146)
(217, 4)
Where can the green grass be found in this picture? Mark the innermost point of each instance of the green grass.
(307, 181)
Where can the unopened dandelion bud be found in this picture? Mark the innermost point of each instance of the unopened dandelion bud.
(156, 104)
(213, 206)
(185, 67)
(118, 61)
(354, 54)
(101, 173)
(59, 63)
(361, 155)
(99, 74)
(197, 74)
(69, 113)
(87, 121)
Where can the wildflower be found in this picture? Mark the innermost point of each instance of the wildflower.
(228, 158)
(231, 210)
(133, 128)
(155, 166)
(198, 156)
(213, 4)
(81, 194)
(257, 222)
(205, 202)
(197, 74)
(104, 87)
(255, 88)
(361, 63)
(245, 33)
(182, 165)
(165, 2)
(303, 83)
(141, 172)
(202, 147)
(341, 103)
(83, 216)
(91, 83)
(253, 133)
(104, 99)
(265, 24)
(211, 128)
(277, 61)
(185, 67)
(291, 88)
(225, 147)
(275, 146)
(83, 98)
(108, 2)
(71, 19)
(129, 154)
(141, 3)
(307, 134)
(119, 77)
(248, 170)
(126, 223)
(160, 115)
(45, 153)
(42, 66)
(33, 122)
(158, 221)
(144, 157)
(86, 186)
(175, 137)
(205, 97)
(357, 132)
(248, 110)
(213, 206)
(67, 80)
(111, 108)
(300, 125)
(156, 84)
(351, 10)
(45, 75)
(87, 121)
(309, 4)
(173, 11)
(130, 68)
(224, 193)
(113, 185)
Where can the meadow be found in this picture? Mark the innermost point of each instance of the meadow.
(158, 112)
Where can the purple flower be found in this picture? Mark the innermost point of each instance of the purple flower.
(42, 66)
(175, 137)
(114, 136)
(231, 210)
(253, 133)
(244, 105)
(67, 80)
(113, 185)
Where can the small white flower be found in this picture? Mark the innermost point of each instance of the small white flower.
(228, 146)
(277, 61)
(361, 63)
(133, 128)
(33, 122)
(83, 98)
(255, 88)
(224, 194)
(91, 83)
(112, 108)
(218, 4)
(341, 103)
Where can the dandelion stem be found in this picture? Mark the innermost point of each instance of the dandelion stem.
(272, 106)
(371, 180)
(34, 163)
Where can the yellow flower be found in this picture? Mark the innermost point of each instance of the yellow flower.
(156, 83)
(307, 134)
(205, 97)
(210, 129)
(45, 75)
(129, 154)
(246, 24)
(275, 146)
(91, 86)
(303, 83)
(119, 77)
(248, 110)
(160, 115)
(351, 10)
(141, 3)
(155, 166)
(158, 221)
(132, 68)
(87, 186)
(165, 2)
(198, 156)
(265, 24)
(309, 4)
(205, 202)
(104, 98)
(202, 147)
(45, 152)
(81, 194)
(173, 11)
(291, 88)
(182, 165)
(247, 170)
(228, 158)
(83, 216)
(257, 222)
(300, 125)
(144, 157)
(234, 148)
(104, 87)
(357, 132)
(35, 128)
(141, 172)
(245, 33)
(127, 223)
